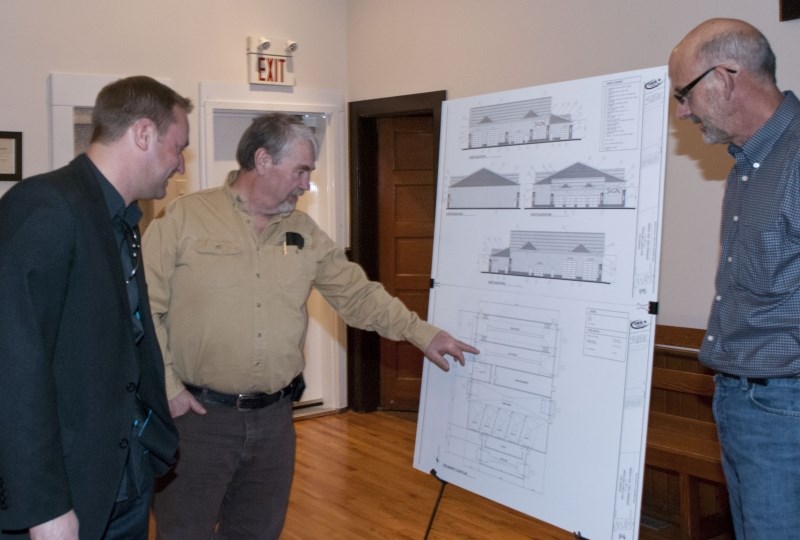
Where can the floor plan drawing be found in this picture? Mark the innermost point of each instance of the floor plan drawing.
(546, 249)
(508, 391)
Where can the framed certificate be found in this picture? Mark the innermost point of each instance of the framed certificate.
(10, 155)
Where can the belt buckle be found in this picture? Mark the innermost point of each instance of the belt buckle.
(239, 406)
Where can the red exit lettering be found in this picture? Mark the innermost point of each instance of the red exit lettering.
(270, 69)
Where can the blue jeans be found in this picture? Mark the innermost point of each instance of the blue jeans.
(759, 431)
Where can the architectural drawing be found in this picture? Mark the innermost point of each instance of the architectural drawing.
(546, 248)
(502, 430)
(553, 255)
(580, 186)
(484, 189)
(523, 122)
(577, 186)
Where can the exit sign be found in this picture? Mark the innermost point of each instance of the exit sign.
(270, 69)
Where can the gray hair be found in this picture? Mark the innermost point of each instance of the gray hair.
(276, 133)
(746, 46)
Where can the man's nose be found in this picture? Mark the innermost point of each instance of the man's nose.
(683, 111)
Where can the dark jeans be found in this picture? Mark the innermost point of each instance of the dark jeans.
(233, 476)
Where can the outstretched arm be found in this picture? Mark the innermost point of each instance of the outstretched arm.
(443, 343)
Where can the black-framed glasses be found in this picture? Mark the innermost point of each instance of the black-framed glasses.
(134, 244)
(681, 94)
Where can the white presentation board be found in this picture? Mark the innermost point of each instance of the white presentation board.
(546, 256)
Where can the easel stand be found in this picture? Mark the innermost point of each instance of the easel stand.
(443, 483)
(436, 505)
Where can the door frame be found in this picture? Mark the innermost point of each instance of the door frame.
(363, 348)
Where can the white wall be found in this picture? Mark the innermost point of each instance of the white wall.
(471, 47)
(380, 48)
(186, 42)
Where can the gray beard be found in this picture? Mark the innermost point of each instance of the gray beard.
(286, 207)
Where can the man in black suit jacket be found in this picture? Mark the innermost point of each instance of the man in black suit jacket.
(84, 420)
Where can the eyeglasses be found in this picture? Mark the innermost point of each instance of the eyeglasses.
(684, 92)
(134, 249)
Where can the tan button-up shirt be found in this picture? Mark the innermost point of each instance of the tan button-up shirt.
(230, 307)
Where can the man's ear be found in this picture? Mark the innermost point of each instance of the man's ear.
(262, 160)
(144, 133)
(728, 81)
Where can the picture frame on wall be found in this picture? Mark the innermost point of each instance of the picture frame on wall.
(789, 10)
(10, 155)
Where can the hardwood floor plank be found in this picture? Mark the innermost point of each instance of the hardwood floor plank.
(354, 478)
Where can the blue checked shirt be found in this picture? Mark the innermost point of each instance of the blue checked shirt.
(754, 326)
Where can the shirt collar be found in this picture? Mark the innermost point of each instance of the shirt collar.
(114, 201)
(758, 147)
(236, 200)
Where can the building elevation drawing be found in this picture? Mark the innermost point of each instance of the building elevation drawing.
(579, 186)
(551, 254)
(576, 186)
(523, 122)
(484, 189)
(546, 252)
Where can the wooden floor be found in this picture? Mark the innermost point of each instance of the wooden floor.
(354, 478)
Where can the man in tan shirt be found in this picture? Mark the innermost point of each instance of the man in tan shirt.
(229, 271)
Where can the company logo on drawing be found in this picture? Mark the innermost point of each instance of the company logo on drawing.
(653, 83)
(639, 324)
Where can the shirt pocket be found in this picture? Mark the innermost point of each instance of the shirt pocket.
(768, 263)
(215, 263)
(293, 268)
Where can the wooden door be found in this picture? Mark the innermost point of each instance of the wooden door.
(406, 211)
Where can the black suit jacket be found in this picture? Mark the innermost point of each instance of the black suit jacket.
(69, 368)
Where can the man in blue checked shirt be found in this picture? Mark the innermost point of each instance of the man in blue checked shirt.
(723, 76)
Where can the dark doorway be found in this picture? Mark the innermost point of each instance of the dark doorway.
(364, 348)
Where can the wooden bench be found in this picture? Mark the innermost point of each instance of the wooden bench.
(682, 436)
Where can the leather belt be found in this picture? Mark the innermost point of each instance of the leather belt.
(761, 381)
(243, 402)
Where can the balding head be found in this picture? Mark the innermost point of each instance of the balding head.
(723, 77)
(727, 42)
